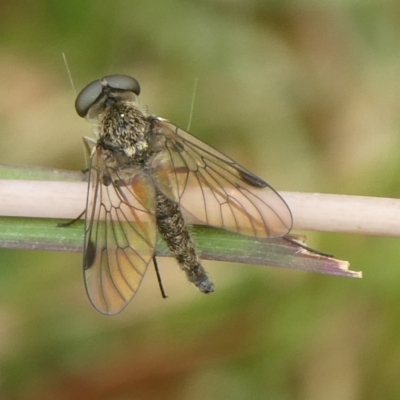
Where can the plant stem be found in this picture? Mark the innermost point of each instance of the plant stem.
(311, 211)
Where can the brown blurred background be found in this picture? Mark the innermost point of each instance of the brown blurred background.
(306, 94)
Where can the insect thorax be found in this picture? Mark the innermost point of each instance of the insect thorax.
(124, 133)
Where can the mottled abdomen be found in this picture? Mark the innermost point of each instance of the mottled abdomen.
(173, 229)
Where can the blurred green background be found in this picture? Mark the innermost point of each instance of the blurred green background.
(306, 94)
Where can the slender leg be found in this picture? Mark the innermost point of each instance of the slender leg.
(310, 249)
(163, 294)
(65, 224)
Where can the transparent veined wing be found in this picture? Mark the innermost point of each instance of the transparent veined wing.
(120, 235)
(213, 187)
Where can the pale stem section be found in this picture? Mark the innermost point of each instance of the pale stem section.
(311, 211)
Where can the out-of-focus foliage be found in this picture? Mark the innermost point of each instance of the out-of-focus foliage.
(303, 93)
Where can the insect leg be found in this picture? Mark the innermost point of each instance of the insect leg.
(65, 224)
(160, 284)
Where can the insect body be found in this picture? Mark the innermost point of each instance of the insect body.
(143, 172)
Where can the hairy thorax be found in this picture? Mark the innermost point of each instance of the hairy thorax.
(123, 137)
(124, 130)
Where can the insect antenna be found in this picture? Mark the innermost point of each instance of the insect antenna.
(192, 103)
(68, 72)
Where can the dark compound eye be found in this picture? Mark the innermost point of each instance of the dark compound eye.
(86, 98)
(90, 93)
(122, 82)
